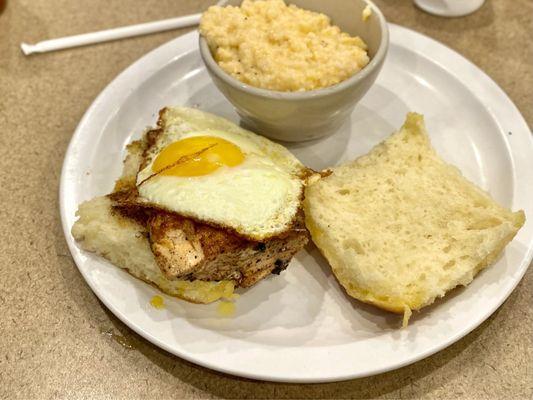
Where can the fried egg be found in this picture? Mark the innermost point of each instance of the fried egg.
(204, 167)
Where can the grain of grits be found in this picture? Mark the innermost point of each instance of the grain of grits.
(270, 45)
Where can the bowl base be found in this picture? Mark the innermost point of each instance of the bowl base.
(291, 134)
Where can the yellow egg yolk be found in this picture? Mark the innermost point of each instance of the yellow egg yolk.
(196, 156)
(157, 302)
(226, 309)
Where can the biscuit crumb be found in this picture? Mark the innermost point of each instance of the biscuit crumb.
(406, 315)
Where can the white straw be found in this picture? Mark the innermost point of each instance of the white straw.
(110, 34)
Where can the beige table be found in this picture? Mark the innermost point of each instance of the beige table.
(51, 340)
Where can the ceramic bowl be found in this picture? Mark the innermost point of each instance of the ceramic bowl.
(300, 116)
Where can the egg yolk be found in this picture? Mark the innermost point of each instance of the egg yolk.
(196, 156)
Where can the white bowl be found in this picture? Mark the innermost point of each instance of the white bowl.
(299, 116)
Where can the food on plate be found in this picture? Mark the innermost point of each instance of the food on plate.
(270, 45)
(157, 302)
(123, 240)
(400, 227)
(202, 206)
(207, 168)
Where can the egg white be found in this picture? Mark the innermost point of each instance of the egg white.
(259, 198)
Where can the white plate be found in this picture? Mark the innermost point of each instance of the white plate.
(300, 326)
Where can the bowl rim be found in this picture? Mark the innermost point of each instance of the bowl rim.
(374, 63)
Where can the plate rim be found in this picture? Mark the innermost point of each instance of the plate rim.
(396, 32)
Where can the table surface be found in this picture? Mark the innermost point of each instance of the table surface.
(53, 340)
